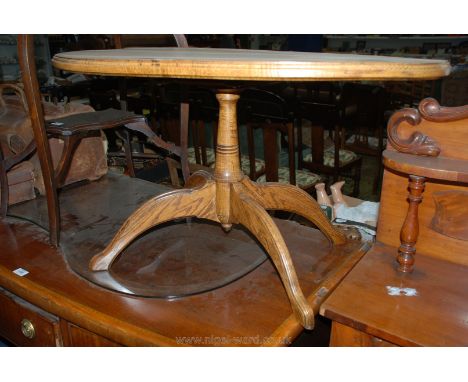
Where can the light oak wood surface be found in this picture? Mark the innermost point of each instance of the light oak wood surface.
(239, 64)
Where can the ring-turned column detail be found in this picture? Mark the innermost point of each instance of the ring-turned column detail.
(410, 230)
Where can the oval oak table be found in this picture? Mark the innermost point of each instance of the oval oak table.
(229, 197)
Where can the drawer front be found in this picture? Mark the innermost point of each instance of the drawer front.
(24, 324)
(343, 335)
(76, 336)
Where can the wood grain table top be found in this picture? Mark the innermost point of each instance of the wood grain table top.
(244, 65)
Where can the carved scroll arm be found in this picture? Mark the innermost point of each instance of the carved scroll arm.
(431, 110)
(417, 143)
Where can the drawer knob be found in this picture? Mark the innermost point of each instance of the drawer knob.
(27, 328)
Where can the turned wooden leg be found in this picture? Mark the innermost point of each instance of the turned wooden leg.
(227, 166)
(198, 202)
(254, 217)
(286, 197)
(410, 230)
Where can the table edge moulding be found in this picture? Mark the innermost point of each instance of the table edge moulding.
(239, 64)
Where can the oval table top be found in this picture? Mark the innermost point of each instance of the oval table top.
(244, 65)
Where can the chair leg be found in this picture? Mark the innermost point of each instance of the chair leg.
(69, 146)
(184, 122)
(128, 152)
(251, 149)
(54, 220)
(53, 207)
(31, 89)
(357, 178)
(5, 191)
(172, 165)
(379, 175)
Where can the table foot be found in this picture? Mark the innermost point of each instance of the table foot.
(197, 201)
(254, 217)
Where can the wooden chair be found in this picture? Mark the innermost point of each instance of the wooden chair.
(363, 133)
(204, 111)
(266, 110)
(123, 41)
(203, 108)
(70, 129)
(327, 120)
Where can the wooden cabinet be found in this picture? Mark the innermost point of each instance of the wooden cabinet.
(24, 324)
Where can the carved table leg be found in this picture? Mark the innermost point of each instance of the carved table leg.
(172, 205)
(286, 197)
(254, 217)
(410, 230)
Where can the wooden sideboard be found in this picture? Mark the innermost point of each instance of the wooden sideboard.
(65, 309)
(25, 324)
(411, 287)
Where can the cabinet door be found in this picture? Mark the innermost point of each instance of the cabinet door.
(24, 324)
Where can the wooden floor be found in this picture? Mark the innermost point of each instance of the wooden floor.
(251, 310)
